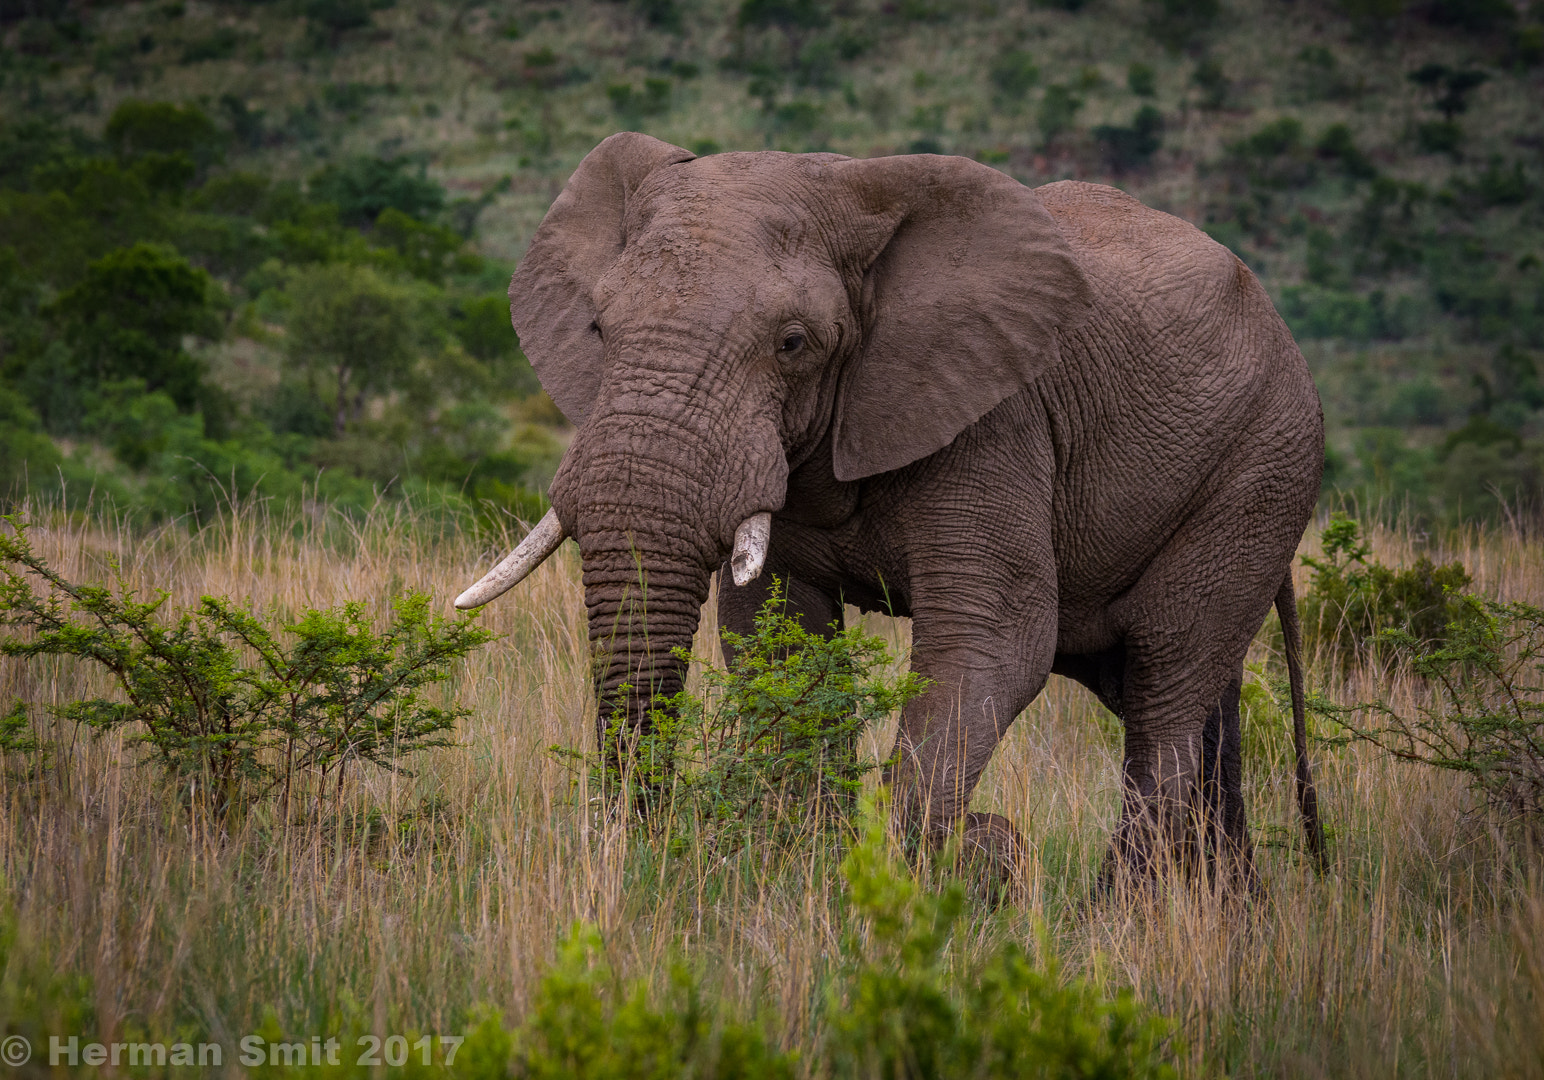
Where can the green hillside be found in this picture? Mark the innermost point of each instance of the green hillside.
(260, 248)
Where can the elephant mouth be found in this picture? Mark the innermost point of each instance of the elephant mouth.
(746, 561)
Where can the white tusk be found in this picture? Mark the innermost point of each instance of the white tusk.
(539, 543)
(750, 547)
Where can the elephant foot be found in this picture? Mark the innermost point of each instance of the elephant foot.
(992, 858)
(1140, 862)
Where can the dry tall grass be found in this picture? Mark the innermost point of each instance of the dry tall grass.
(1420, 952)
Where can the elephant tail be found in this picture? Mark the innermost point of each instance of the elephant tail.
(1307, 797)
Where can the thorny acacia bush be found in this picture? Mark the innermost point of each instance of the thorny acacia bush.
(894, 1010)
(1479, 705)
(1352, 599)
(772, 746)
(219, 701)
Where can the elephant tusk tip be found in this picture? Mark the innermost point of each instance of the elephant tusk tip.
(468, 600)
(746, 570)
(750, 548)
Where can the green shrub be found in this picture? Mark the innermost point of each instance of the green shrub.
(1141, 79)
(354, 331)
(1014, 73)
(220, 702)
(1180, 24)
(633, 104)
(1338, 144)
(1058, 108)
(127, 317)
(896, 1010)
(141, 127)
(1315, 312)
(1353, 601)
(1482, 710)
(362, 187)
(900, 1013)
(1210, 78)
(26, 454)
(773, 741)
(1134, 146)
(584, 1022)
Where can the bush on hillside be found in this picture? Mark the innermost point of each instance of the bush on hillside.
(1353, 601)
(362, 187)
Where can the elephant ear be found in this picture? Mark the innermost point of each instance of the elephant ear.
(550, 300)
(968, 285)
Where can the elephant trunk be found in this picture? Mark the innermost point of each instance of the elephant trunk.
(640, 612)
(648, 558)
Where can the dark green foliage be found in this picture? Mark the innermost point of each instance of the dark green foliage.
(585, 1022)
(353, 331)
(1475, 16)
(1337, 144)
(482, 326)
(1141, 79)
(362, 187)
(26, 454)
(1014, 73)
(1517, 377)
(770, 750)
(632, 104)
(661, 14)
(220, 701)
(1352, 600)
(127, 318)
(901, 1013)
(219, 44)
(30, 143)
(1058, 109)
(426, 251)
(1212, 81)
(1449, 87)
(784, 14)
(331, 19)
(159, 127)
(1383, 231)
(897, 1010)
(1482, 710)
(1440, 137)
(1275, 155)
(1180, 24)
(1131, 147)
(1318, 75)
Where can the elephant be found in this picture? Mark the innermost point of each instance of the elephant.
(1061, 431)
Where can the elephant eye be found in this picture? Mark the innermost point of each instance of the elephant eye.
(791, 344)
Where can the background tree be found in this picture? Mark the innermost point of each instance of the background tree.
(127, 320)
(354, 329)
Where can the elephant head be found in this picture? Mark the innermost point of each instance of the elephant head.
(710, 324)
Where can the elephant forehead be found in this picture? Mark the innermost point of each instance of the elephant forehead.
(766, 203)
(675, 270)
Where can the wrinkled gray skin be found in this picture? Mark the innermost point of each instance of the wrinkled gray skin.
(1063, 432)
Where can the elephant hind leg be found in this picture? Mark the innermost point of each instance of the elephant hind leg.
(1223, 818)
(1186, 626)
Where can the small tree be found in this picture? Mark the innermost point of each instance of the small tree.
(1479, 708)
(353, 329)
(1353, 599)
(217, 698)
(127, 317)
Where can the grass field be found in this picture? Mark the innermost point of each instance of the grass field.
(1420, 952)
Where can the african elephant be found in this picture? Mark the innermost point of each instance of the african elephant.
(1061, 431)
